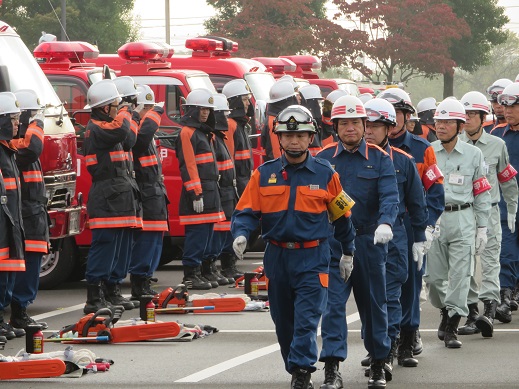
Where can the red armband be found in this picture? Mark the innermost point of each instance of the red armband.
(507, 174)
(480, 185)
(431, 175)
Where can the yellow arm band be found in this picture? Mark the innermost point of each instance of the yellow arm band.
(340, 206)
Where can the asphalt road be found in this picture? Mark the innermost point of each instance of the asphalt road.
(244, 353)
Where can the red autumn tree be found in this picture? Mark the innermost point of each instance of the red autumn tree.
(407, 36)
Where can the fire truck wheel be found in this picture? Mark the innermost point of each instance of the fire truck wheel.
(57, 266)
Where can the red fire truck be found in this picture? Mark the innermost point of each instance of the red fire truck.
(19, 70)
(66, 66)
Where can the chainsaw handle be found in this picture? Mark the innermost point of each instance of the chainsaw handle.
(102, 311)
(179, 292)
(70, 327)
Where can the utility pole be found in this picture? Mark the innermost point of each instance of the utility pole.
(64, 20)
(167, 21)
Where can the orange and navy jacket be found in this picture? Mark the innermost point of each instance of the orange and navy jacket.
(269, 140)
(34, 203)
(490, 125)
(410, 190)
(425, 158)
(11, 234)
(199, 172)
(227, 181)
(240, 148)
(112, 197)
(148, 173)
(291, 203)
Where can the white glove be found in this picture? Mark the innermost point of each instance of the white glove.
(418, 253)
(346, 266)
(139, 108)
(511, 222)
(198, 205)
(481, 240)
(160, 104)
(383, 234)
(429, 237)
(239, 245)
(38, 116)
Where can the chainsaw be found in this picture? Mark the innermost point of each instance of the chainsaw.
(176, 300)
(102, 325)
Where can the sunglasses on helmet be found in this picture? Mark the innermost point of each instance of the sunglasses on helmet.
(374, 115)
(294, 116)
(507, 100)
(494, 90)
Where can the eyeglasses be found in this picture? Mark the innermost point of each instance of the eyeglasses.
(445, 122)
(471, 114)
(507, 100)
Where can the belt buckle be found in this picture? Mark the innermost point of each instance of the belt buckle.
(291, 245)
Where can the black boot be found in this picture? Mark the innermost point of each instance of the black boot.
(388, 363)
(332, 377)
(366, 361)
(503, 311)
(451, 331)
(137, 285)
(20, 318)
(191, 280)
(514, 298)
(198, 272)
(301, 379)
(470, 325)
(485, 322)
(96, 299)
(377, 378)
(229, 268)
(209, 272)
(417, 343)
(444, 314)
(405, 349)
(6, 330)
(113, 295)
(148, 290)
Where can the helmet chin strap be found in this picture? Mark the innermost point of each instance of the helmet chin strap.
(294, 154)
(475, 132)
(451, 139)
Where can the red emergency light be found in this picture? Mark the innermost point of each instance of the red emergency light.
(144, 51)
(207, 46)
(277, 65)
(204, 44)
(72, 51)
(306, 62)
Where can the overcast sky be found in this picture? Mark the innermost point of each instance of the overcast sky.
(187, 22)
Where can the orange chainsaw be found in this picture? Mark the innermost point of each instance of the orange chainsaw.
(177, 301)
(42, 368)
(102, 324)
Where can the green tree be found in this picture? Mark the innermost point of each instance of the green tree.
(108, 24)
(486, 21)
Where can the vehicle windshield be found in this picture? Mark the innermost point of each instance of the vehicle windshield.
(351, 88)
(24, 71)
(260, 84)
(201, 81)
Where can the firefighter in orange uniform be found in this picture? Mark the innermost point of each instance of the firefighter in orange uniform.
(293, 197)
(147, 243)
(11, 236)
(29, 142)
(200, 206)
(112, 204)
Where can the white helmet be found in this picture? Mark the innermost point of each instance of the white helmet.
(475, 101)
(236, 87)
(497, 88)
(289, 78)
(365, 97)
(221, 103)
(281, 90)
(380, 110)
(102, 93)
(126, 86)
(310, 92)
(348, 107)
(427, 104)
(200, 98)
(510, 95)
(295, 118)
(146, 95)
(335, 94)
(47, 37)
(450, 109)
(28, 100)
(8, 103)
(399, 98)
